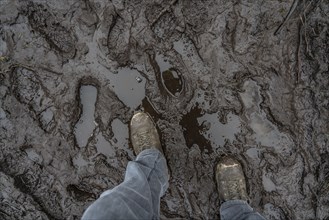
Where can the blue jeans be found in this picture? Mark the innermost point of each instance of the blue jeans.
(138, 197)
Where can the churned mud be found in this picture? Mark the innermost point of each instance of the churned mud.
(244, 78)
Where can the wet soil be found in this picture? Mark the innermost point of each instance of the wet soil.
(244, 78)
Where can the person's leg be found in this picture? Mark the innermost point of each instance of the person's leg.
(238, 209)
(138, 197)
(232, 191)
(146, 179)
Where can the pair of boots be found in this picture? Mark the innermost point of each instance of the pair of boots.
(230, 179)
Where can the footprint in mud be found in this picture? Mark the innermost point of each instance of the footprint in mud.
(171, 78)
(48, 26)
(89, 135)
(84, 128)
(119, 40)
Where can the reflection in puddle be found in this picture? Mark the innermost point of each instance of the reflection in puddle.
(171, 77)
(103, 146)
(172, 81)
(129, 85)
(107, 148)
(86, 128)
(86, 124)
(162, 63)
(183, 47)
(191, 129)
(217, 132)
(120, 131)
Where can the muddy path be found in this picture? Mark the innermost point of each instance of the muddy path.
(245, 78)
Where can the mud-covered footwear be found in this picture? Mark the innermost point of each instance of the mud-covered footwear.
(143, 133)
(231, 183)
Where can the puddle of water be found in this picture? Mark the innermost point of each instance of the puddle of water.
(192, 130)
(182, 47)
(129, 85)
(85, 127)
(103, 146)
(121, 136)
(121, 133)
(170, 77)
(163, 63)
(172, 81)
(86, 124)
(217, 132)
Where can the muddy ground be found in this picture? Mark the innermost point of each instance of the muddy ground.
(245, 78)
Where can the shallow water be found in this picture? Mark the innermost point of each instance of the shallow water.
(129, 85)
(163, 63)
(83, 130)
(120, 134)
(103, 146)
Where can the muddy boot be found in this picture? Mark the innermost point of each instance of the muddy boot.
(230, 179)
(143, 133)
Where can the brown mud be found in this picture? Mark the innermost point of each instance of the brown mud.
(244, 78)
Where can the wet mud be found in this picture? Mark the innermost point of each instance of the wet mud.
(243, 78)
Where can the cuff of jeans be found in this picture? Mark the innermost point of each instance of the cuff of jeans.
(149, 151)
(229, 203)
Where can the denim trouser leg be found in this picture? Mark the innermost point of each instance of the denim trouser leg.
(138, 197)
(238, 210)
